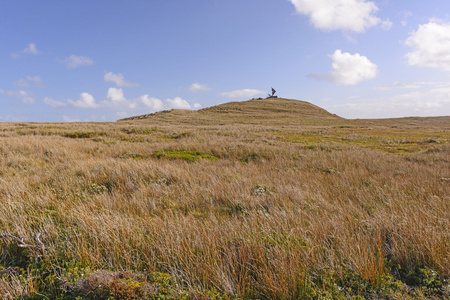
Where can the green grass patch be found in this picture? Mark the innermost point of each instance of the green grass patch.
(186, 155)
(54, 127)
(140, 130)
(131, 156)
(80, 135)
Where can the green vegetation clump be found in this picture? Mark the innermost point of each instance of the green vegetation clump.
(80, 135)
(186, 155)
(140, 130)
(71, 281)
(131, 156)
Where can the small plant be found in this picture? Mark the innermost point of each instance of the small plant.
(239, 209)
(249, 157)
(97, 188)
(261, 190)
(425, 278)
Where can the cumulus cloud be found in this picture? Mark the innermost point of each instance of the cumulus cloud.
(153, 103)
(123, 107)
(115, 98)
(30, 82)
(74, 61)
(86, 101)
(197, 105)
(431, 45)
(115, 95)
(178, 103)
(245, 93)
(31, 49)
(54, 103)
(198, 87)
(348, 69)
(349, 15)
(26, 96)
(118, 79)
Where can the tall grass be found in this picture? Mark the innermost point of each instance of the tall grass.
(282, 214)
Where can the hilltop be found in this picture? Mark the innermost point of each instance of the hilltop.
(262, 111)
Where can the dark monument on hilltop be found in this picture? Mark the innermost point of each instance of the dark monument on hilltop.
(273, 94)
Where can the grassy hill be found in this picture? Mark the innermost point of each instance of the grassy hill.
(264, 111)
(276, 111)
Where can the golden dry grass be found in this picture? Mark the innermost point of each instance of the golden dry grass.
(285, 211)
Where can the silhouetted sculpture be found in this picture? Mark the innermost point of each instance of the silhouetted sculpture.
(273, 94)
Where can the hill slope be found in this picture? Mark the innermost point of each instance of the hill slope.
(264, 111)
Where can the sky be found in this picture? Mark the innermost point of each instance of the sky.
(102, 60)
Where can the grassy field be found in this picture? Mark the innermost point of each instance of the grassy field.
(279, 203)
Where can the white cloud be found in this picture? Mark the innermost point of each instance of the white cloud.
(124, 107)
(30, 49)
(75, 61)
(245, 93)
(26, 96)
(351, 15)
(115, 98)
(30, 82)
(118, 79)
(407, 85)
(70, 119)
(153, 103)
(390, 108)
(348, 69)
(86, 101)
(54, 103)
(178, 103)
(198, 87)
(411, 85)
(115, 95)
(406, 15)
(431, 46)
(197, 105)
(422, 99)
(386, 25)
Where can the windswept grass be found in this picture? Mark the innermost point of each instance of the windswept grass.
(287, 212)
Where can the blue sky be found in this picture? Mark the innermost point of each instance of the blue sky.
(101, 60)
